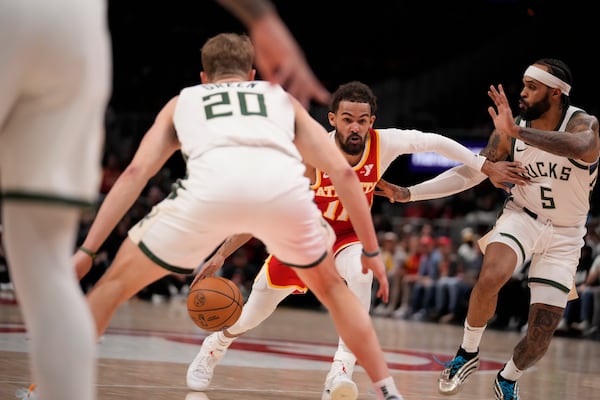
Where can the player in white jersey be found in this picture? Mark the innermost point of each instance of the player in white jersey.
(244, 142)
(55, 80)
(370, 152)
(544, 221)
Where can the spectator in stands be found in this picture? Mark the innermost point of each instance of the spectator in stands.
(240, 270)
(469, 259)
(111, 169)
(590, 301)
(578, 311)
(394, 253)
(512, 307)
(405, 277)
(423, 292)
(448, 285)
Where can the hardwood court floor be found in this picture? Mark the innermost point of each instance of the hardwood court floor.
(144, 356)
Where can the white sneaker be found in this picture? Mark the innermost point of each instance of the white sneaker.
(200, 371)
(339, 384)
(582, 326)
(563, 326)
(27, 393)
(382, 310)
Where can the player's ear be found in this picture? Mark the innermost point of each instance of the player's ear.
(331, 118)
(203, 77)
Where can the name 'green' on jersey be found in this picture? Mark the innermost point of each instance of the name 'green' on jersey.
(235, 114)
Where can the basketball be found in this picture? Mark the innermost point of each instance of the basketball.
(214, 303)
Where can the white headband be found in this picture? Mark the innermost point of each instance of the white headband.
(547, 79)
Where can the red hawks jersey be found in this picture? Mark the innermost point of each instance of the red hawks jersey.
(368, 171)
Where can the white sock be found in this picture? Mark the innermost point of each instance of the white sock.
(223, 341)
(385, 388)
(472, 337)
(510, 371)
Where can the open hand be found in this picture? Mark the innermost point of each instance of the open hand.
(279, 59)
(502, 114)
(209, 268)
(394, 193)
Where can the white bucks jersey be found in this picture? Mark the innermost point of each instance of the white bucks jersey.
(560, 188)
(234, 114)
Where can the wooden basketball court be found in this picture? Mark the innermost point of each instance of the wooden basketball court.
(145, 353)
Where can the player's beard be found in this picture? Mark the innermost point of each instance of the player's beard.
(352, 148)
(536, 110)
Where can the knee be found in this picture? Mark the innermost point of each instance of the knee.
(493, 277)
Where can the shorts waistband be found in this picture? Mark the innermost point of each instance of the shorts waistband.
(532, 214)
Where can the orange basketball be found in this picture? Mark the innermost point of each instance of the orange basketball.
(214, 303)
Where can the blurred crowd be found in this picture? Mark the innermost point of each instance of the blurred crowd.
(432, 273)
(429, 247)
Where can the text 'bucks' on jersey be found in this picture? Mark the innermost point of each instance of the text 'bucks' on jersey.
(560, 188)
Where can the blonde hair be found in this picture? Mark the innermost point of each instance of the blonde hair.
(227, 54)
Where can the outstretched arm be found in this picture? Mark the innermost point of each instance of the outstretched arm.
(501, 174)
(278, 57)
(462, 177)
(158, 144)
(449, 182)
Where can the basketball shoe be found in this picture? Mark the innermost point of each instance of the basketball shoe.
(201, 370)
(457, 371)
(27, 393)
(339, 384)
(505, 389)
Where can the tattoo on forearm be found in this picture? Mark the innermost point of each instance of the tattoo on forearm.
(491, 150)
(574, 143)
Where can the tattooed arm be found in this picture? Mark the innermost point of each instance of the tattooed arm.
(580, 140)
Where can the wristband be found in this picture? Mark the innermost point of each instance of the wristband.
(88, 252)
(371, 255)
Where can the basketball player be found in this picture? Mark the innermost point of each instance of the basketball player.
(247, 137)
(54, 75)
(370, 152)
(545, 221)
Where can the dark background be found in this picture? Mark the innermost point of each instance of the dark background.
(430, 63)
(156, 45)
